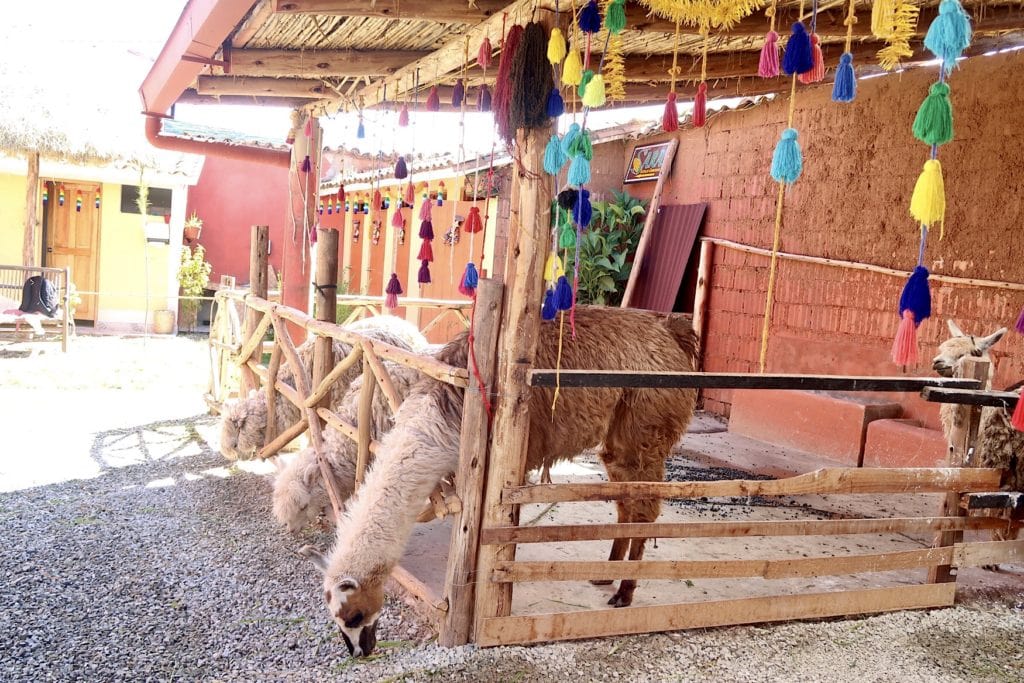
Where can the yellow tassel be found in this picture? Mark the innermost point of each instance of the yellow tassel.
(556, 47)
(614, 70)
(593, 96)
(928, 203)
(572, 70)
(553, 268)
(883, 13)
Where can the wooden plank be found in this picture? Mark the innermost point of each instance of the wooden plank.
(460, 575)
(270, 389)
(700, 298)
(337, 371)
(1012, 501)
(648, 230)
(744, 529)
(628, 620)
(320, 63)
(447, 11)
(990, 552)
(257, 86)
(971, 397)
(325, 309)
(259, 254)
(248, 350)
(781, 568)
(424, 600)
(578, 379)
(826, 480)
(28, 244)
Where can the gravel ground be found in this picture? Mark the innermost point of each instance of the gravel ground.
(162, 564)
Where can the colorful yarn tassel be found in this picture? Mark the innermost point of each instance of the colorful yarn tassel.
(458, 93)
(700, 105)
(928, 204)
(502, 101)
(579, 171)
(423, 276)
(401, 169)
(567, 198)
(556, 47)
(403, 116)
(555, 105)
(433, 100)
(360, 129)
(572, 70)
(933, 124)
(904, 346)
(484, 54)
(950, 33)
(670, 119)
(845, 87)
(553, 268)
(554, 157)
(590, 18)
(768, 66)
(426, 252)
(473, 221)
(582, 211)
(817, 71)
(1020, 323)
(563, 294)
(570, 137)
(483, 99)
(615, 17)
(410, 194)
(426, 230)
(426, 210)
(470, 280)
(915, 308)
(548, 310)
(798, 57)
(397, 221)
(1017, 419)
(787, 161)
(393, 289)
(594, 93)
(307, 165)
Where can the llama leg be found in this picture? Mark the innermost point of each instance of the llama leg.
(619, 546)
(643, 511)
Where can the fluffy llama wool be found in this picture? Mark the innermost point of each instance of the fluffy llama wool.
(244, 423)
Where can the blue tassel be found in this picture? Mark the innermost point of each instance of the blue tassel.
(563, 294)
(582, 212)
(548, 310)
(579, 171)
(556, 106)
(470, 280)
(916, 296)
(361, 130)
(554, 157)
(570, 136)
(590, 18)
(845, 87)
(787, 162)
(950, 33)
(798, 58)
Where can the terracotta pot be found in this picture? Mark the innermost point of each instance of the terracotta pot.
(192, 233)
(163, 321)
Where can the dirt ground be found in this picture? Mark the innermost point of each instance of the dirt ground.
(131, 550)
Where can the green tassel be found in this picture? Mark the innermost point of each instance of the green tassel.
(587, 75)
(566, 237)
(615, 18)
(933, 124)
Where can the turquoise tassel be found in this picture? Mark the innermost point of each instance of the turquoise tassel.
(579, 171)
(787, 162)
(554, 156)
(950, 33)
(569, 137)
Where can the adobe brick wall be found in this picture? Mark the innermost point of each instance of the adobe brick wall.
(860, 165)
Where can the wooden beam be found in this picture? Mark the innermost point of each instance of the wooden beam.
(28, 245)
(750, 529)
(1004, 500)
(987, 553)
(255, 86)
(827, 480)
(190, 96)
(259, 16)
(445, 11)
(325, 308)
(973, 397)
(614, 622)
(320, 63)
(364, 418)
(578, 379)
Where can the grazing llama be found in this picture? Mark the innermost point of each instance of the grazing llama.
(999, 444)
(299, 494)
(636, 428)
(244, 423)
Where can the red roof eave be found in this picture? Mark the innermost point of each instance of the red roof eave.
(202, 28)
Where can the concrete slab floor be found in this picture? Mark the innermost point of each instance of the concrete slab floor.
(709, 452)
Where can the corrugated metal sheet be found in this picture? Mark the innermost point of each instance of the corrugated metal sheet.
(675, 231)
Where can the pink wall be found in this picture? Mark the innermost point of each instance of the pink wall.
(232, 196)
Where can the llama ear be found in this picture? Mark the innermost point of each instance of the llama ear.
(314, 556)
(986, 343)
(954, 329)
(348, 584)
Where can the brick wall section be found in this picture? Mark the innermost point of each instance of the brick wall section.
(860, 165)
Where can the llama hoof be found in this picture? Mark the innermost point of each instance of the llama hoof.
(601, 582)
(620, 600)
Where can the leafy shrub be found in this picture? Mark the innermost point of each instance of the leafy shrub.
(607, 248)
(193, 277)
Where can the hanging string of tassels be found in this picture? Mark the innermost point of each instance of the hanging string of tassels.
(459, 161)
(700, 102)
(817, 71)
(670, 119)
(947, 38)
(768, 65)
(844, 89)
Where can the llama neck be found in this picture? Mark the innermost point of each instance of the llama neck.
(411, 460)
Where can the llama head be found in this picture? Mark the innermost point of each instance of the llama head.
(242, 427)
(961, 345)
(355, 603)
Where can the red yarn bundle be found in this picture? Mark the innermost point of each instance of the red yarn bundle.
(501, 102)
(700, 105)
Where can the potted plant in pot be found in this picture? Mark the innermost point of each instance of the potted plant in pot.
(193, 276)
(193, 227)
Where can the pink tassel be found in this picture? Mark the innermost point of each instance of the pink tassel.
(1020, 323)
(670, 119)
(397, 221)
(904, 347)
(700, 105)
(425, 210)
(1017, 420)
(768, 67)
(433, 100)
(403, 116)
(410, 194)
(309, 128)
(817, 72)
(312, 235)
(484, 54)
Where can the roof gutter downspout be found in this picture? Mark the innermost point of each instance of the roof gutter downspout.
(256, 155)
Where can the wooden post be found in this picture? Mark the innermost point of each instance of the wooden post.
(271, 394)
(365, 417)
(962, 440)
(520, 329)
(469, 478)
(259, 250)
(28, 246)
(700, 299)
(304, 192)
(326, 308)
(652, 214)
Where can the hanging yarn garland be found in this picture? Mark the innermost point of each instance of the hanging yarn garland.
(700, 102)
(894, 21)
(613, 63)
(531, 81)
(581, 151)
(670, 117)
(501, 102)
(768, 64)
(844, 89)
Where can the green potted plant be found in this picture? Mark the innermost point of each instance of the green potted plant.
(193, 227)
(193, 277)
(607, 248)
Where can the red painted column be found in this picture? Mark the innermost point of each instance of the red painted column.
(296, 259)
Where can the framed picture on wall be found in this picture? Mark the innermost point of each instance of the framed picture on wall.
(646, 163)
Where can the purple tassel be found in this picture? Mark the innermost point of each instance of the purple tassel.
(1020, 322)
(458, 93)
(423, 277)
(548, 309)
(426, 230)
(307, 165)
(401, 170)
(394, 288)
(483, 99)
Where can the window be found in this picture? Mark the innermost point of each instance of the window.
(159, 200)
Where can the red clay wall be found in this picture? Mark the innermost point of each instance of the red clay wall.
(232, 196)
(860, 165)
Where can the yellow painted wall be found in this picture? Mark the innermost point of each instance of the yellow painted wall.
(12, 218)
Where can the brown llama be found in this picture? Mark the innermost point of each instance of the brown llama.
(636, 428)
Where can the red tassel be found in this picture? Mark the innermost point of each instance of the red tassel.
(425, 209)
(426, 252)
(700, 105)
(483, 55)
(312, 235)
(904, 347)
(501, 103)
(670, 119)
(473, 221)
(817, 72)
(378, 201)
(410, 194)
(397, 221)
(1017, 420)
(309, 128)
(1020, 323)
(433, 100)
(403, 116)
(341, 194)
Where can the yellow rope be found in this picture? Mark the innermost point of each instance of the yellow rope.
(851, 19)
(771, 14)
(558, 365)
(704, 57)
(674, 72)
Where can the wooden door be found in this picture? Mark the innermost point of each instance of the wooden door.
(72, 239)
